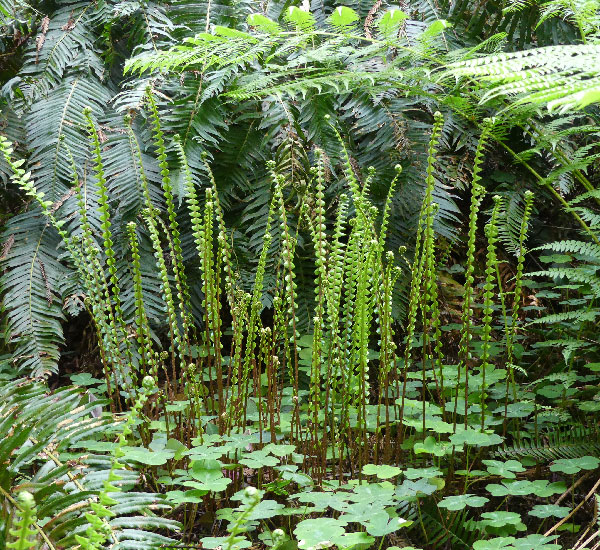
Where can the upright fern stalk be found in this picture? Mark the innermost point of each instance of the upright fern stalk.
(466, 334)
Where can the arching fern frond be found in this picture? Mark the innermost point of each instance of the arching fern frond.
(67, 43)
(563, 78)
(56, 130)
(591, 250)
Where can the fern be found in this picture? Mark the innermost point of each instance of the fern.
(591, 250)
(539, 76)
(22, 531)
(439, 528)
(37, 426)
(574, 442)
(29, 287)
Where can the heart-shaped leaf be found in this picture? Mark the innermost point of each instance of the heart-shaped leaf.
(318, 533)
(549, 510)
(498, 543)
(505, 469)
(475, 437)
(431, 446)
(500, 519)
(145, 456)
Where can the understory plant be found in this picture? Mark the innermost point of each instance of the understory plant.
(298, 345)
(250, 391)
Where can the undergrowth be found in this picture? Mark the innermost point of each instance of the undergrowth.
(356, 434)
(431, 393)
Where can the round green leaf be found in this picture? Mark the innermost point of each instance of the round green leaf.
(431, 446)
(320, 532)
(475, 437)
(505, 469)
(500, 519)
(498, 543)
(145, 456)
(575, 465)
(383, 471)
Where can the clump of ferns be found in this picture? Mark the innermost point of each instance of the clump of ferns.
(361, 271)
(85, 255)
(430, 305)
(316, 224)
(255, 306)
(203, 220)
(98, 297)
(148, 363)
(180, 340)
(99, 530)
(518, 289)
(223, 264)
(387, 276)
(105, 225)
(167, 295)
(334, 285)
(285, 304)
(511, 331)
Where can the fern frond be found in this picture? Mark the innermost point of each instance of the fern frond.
(577, 316)
(29, 292)
(22, 531)
(561, 77)
(573, 442)
(68, 42)
(591, 250)
(36, 428)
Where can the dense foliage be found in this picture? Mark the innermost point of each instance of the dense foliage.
(299, 274)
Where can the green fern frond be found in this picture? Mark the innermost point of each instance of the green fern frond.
(29, 292)
(36, 427)
(591, 250)
(577, 316)
(539, 76)
(573, 442)
(21, 531)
